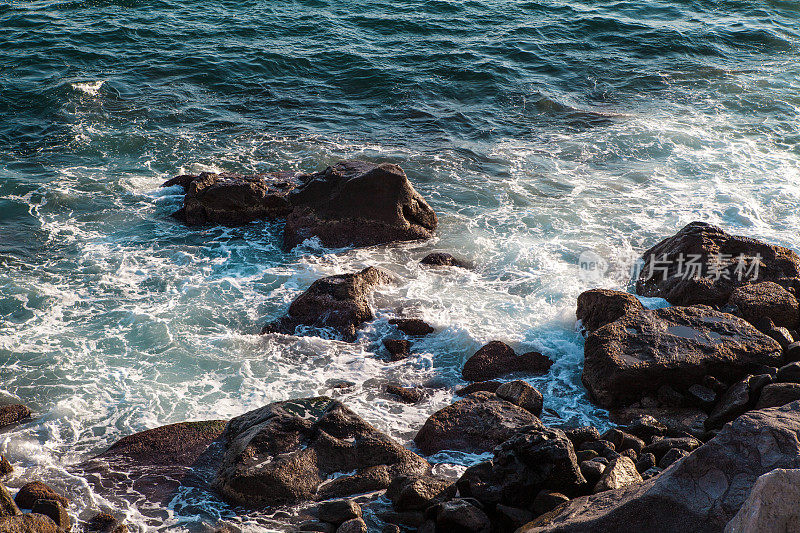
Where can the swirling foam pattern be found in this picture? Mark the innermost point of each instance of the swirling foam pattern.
(537, 129)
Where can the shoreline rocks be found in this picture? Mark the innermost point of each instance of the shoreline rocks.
(498, 359)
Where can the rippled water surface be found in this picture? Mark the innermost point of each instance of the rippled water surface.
(536, 130)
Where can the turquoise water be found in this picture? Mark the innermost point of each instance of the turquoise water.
(537, 130)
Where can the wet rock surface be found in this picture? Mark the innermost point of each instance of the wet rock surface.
(498, 359)
(598, 307)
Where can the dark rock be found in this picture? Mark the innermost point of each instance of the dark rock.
(646, 462)
(777, 394)
(398, 348)
(356, 525)
(592, 471)
(338, 511)
(105, 523)
(585, 455)
(582, 434)
(460, 516)
(660, 447)
(642, 351)
(36, 490)
(740, 397)
(477, 423)
(7, 505)
(766, 299)
(714, 384)
(789, 373)
(522, 394)
(55, 511)
(488, 386)
(358, 203)
(443, 259)
(619, 473)
(600, 446)
(671, 456)
(676, 421)
(406, 394)
(307, 449)
(793, 352)
(511, 518)
(670, 397)
(478, 482)
(700, 493)
(29, 523)
(646, 427)
(710, 243)
(390, 528)
(412, 326)
(12, 414)
(782, 336)
(633, 454)
(5, 467)
(338, 302)
(418, 493)
(316, 525)
(497, 359)
(598, 307)
(547, 500)
(701, 396)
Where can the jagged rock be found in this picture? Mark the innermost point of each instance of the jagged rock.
(662, 446)
(338, 511)
(682, 286)
(28, 523)
(358, 203)
(522, 394)
(782, 336)
(671, 456)
(700, 493)
(36, 490)
(12, 414)
(8, 506)
(642, 351)
(619, 473)
(105, 523)
(5, 467)
(598, 307)
(771, 506)
(418, 493)
(339, 302)
(406, 394)
(740, 397)
(646, 462)
(582, 434)
(535, 458)
(398, 349)
(777, 394)
(412, 326)
(55, 511)
(308, 449)
(766, 299)
(497, 359)
(443, 259)
(477, 423)
(511, 518)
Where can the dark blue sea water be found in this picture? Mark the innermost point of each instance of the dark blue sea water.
(536, 129)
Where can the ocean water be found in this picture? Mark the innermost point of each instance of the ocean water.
(538, 130)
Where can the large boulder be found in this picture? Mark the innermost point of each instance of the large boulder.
(233, 199)
(766, 299)
(701, 492)
(669, 268)
(598, 307)
(358, 203)
(678, 346)
(29, 523)
(534, 459)
(477, 423)
(498, 359)
(308, 449)
(338, 302)
(773, 505)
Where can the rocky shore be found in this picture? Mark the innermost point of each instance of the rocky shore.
(704, 395)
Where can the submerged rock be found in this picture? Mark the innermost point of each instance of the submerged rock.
(443, 259)
(598, 307)
(309, 449)
(497, 359)
(358, 203)
(676, 346)
(710, 244)
(412, 326)
(702, 492)
(398, 349)
(477, 423)
(337, 302)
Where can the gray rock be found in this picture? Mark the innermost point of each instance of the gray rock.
(777, 394)
(671, 456)
(789, 373)
(522, 394)
(646, 462)
(418, 493)
(773, 505)
(619, 473)
(338, 511)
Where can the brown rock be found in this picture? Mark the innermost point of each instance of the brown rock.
(36, 490)
(28, 523)
(398, 349)
(412, 326)
(418, 493)
(55, 511)
(443, 259)
(522, 394)
(771, 505)
(637, 354)
(338, 302)
(598, 307)
(7, 505)
(478, 386)
(12, 414)
(338, 511)
(356, 525)
(777, 394)
(497, 359)
(105, 523)
(766, 299)
(619, 473)
(5, 467)
(406, 394)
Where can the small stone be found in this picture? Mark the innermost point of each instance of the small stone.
(36, 490)
(55, 511)
(443, 259)
(582, 434)
(646, 462)
(661, 447)
(702, 397)
(398, 348)
(478, 386)
(781, 335)
(547, 500)
(592, 470)
(522, 394)
(621, 472)
(412, 326)
(406, 394)
(646, 427)
(338, 511)
(586, 455)
(789, 373)
(5, 467)
(671, 456)
(356, 525)
(792, 352)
